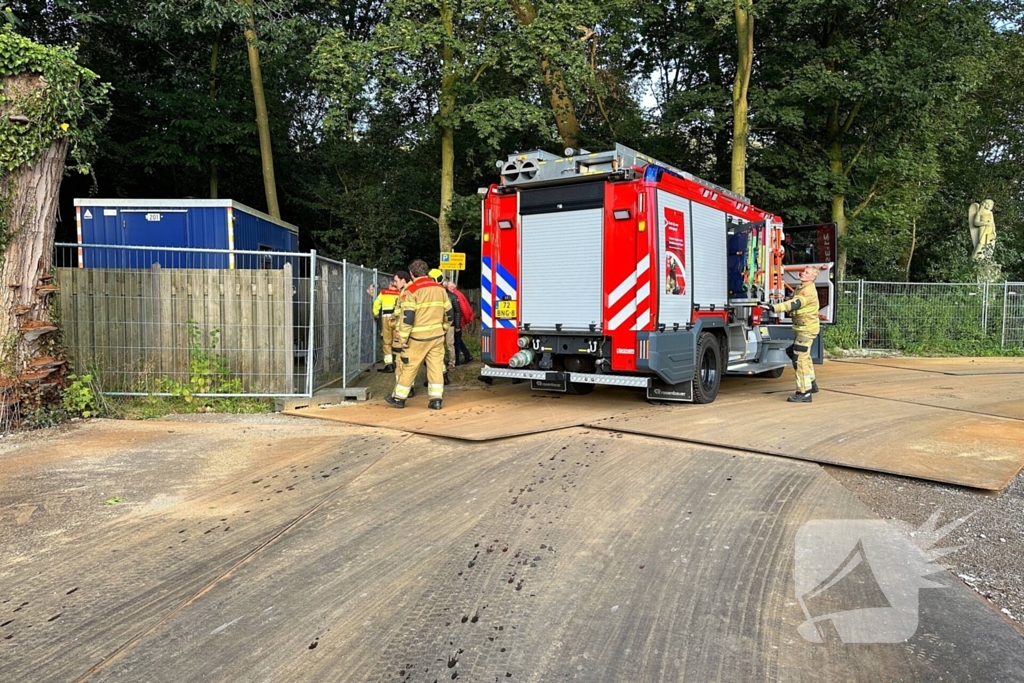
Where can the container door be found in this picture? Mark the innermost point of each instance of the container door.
(813, 245)
(153, 228)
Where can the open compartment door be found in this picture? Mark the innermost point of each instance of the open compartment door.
(748, 261)
(812, 245)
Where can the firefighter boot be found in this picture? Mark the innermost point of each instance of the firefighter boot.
(396, 402)
(814, 387)
(426, 382)
(435, 404)
(390, 367)
(799, 397)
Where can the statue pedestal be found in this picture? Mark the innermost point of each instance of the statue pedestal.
(988, 271)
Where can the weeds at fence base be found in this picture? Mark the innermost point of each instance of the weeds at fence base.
(147, 408)
(155, 407)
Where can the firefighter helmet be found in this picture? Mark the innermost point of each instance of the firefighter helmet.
(436, 275)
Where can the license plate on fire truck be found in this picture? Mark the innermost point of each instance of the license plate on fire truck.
(507, 310)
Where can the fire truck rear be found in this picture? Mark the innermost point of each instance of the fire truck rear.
(614, 268)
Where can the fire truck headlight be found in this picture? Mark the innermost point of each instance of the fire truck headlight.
(505, 224)
(621, 214)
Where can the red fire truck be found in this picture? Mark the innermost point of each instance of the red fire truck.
(614, 268)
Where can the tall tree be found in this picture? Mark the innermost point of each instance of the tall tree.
(853, 83)
(743, 11)
(435, 59)
(554, 81)
(262, 119)
(48, 108)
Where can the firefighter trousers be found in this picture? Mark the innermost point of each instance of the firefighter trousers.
(802, 362)
(387, 335)
(430, 352)
(449, 343)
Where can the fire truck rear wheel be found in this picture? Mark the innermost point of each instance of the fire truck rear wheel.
(708, 374)
(578, 388)
(772, 374)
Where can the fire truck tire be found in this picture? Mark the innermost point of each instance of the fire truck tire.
(772, 374)
(486, 380)
(708, 374)
(578, 388)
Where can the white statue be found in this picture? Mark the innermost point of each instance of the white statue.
(983, 229)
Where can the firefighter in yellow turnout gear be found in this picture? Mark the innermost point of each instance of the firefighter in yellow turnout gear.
(426, 315)
(806, 325)
(383, 309)
(400, 282)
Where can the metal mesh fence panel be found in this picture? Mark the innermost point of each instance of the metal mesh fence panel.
(909, 315)
(1012, 328)
(964, 318)
(152, 320)
(345, 334)
(845, 333)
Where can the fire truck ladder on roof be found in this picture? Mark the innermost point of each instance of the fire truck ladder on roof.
(537, 167)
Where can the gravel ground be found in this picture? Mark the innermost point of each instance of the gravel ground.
(992, 536)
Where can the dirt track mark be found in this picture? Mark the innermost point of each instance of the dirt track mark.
(120, 650)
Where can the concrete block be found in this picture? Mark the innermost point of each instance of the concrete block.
(324, 397)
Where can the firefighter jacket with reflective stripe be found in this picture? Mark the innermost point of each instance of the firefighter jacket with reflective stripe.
(426, 312)
(804, 309)
(385, 302)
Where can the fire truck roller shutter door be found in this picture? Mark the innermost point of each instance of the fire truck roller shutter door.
(675, 289)
(710, 264)
(560, 278)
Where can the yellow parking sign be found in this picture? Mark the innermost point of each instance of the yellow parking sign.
(453, 260)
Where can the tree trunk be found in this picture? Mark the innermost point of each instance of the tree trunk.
(30, 365)
(448, 82)
(213, 98)
(554, 82)
(561, 105)
(835, 165)
(913, 245)
(262, 120)
(740, 88)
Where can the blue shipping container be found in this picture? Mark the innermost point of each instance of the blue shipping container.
(176, 224)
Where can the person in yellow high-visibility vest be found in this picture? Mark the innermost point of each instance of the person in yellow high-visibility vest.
(384, 311)
(804, 309)
(426, 315)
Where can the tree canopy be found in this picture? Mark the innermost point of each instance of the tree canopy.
(887, 117)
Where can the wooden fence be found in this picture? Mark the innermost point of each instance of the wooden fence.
(198, 330)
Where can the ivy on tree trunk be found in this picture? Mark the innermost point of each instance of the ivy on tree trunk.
(45, 105)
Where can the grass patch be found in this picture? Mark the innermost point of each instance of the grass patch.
(153, 407)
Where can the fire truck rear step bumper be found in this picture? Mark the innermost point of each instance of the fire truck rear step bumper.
(581, 378)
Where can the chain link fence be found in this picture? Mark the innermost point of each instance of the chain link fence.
(966, 318)
(206, 322)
